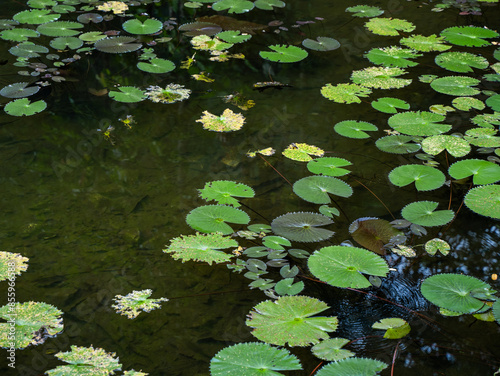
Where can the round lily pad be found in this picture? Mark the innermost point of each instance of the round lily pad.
(62, 43)
(345, 93)
(302, 227)
(365, 11)
(127, 94)
(23, 107)
(482, 172)
(284, 54)
(424, 213)
(390, 105)
(419, 123)
(329, 166)
(60, 28)
(484, 200)
(397, 144)
(315, 189)
(470, 36)
(456, 85)
(156, 66)
(19, 90)
(269, 4)
(351, 367)
(149, 26)
(461, 62)
(426, 178)
(331, 349)
(117, 45)
(213, 218)
(456, 146)
(233, 6)
(19, 34)
(321, 44)
(225, 191)
(233, 36)
(354, 129)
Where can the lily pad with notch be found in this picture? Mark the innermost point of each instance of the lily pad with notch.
(269, 4)
(354, 129)
(424, 213)
(200, 28)
(389, 26)
(482, 172)
(35, 16)
(461, 62)
(287, 287)
(19, 34)
(393, 57)
(390, 105)
(345, 93)
(398, 144)
(425, 44)
(494, 102)
(19, 90)
(468, 103)
(117, 45)
(128, 94)
(213, 218)
(380, 78)
(364, 11)
(456, 146)
(426, 178)
(484, 200)
(24, 107)
(233, 36)
(434, 245)
(373, 233)
(302, 227)
(233, 6)
(284, 54)
(276, 242)
(394, 327)
(321, 44)
(60, 28)
(329, 166)
(156, 66)
(225, 191)
(149, 26)
(456, 85)
(331, 349)
(12, 264)
(302, 152)
(315, 189)
(62, 43)
(418, 123)
(28, 50)
(469, 36)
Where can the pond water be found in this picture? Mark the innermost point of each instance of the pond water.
(93, 213)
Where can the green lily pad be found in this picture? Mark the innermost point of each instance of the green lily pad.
(19, 34)
(454, 292)
(351, 367)
(12, 264)
(92, 36)
(302, 227)
(28, 50)
(365, 11)
(487, 120)
(456, 146)
(434, 245)
(393, 57)
(59, 28)
(213, 218)
(35, 16)
(62, 43)
(390, 105)
(354, 129)
(329, 211)
(394, 327)
(425, 44)
(23, 107)
(397, 144)
(329, 166)
(132, 304)
(233, 6)
(456, 85)
(224, 191)
(149, 26)
(482, 137)
(321, 44)
(117, 45)
(288, 320)
(468, 103)
(461, 62)
(302, 152)
(424, 213)
(41, 3)
(201, 247)
(470, 36)
(380, 78)
(233, 36)
(483, 172)
(284, 54)
(315, 189)
(418, 123)
(269, 4)
(253, 359)
(345, 93)
(389, 26)
(484, 200)
(276, 242)
(156, 66)
(331, 349)
(494, 102)
(287, 287)
(19, 90)
(127, 94)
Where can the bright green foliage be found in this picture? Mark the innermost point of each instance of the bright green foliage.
(12, 264)
(352, 366)
(224, 191)
(365, 11)
(269, 4)
(441, 109)
(426, 178)
(418, 123)
(302, 152)
(392, 57)
(394, 327)
(315, 189)
(228, 121)
(23, 107)
(456, 85)
(276, 242)
(284, 54)
(127, 94)
(62, 43)
(345, 93)
(390, 105)
(329, 211)
(253, 359)
(389, 26)
(343, 266)
(329, 166)
(468, 103)
(19, 90)
(453, 292)
(380, 78)
(156, 66)
(35, 16)
(60, 28)
(425, 44)
(117, 45)
(461, 62)
(287, 287)
(29, 318)
(288, 320)
(434, 245)
(86, 361)
(302, 227)
(482, 137)
(233, 6)
(484, 200)
(19, 35)
(427, 78)
(397, 144)
(149, 26)
(201, 247)
(233, 36)
(470, 36)
(424, 213)
(213, 218)
(354, 129)
(132, 304)
(494, 102)
(456, 146)
(331, 349)
(321, 44)
(482, 172)
(496, 311)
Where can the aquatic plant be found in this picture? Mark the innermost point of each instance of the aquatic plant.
(133, 303)
(169, 94)
(227, 122)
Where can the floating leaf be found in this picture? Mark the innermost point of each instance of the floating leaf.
(288, 320)
(227, 122)
(86, 361)
(200, 28)
(470, 36)
(392, 57)
(35, 16)
(224, 191)
(132, 304)
(315, 189)
(380, 78)
(149, 26)
(456, 85)
(351, 367)
(344, 266)
(284, 54)
(467, 103)
(354, 129)
(394, 327)
(59, 28)
(19, 90)
(12, 264)
(127, 94)
(484, 200)
(419, 123)
(461, 62)
(26, 320)
(23, 107)
(345, 93)
(434, 245)
(329, 166)
(424, 213)
(302, 227)
(365, 11)
(331, 349)
(486, 120)
(213, 218)
(269, 4)
(19, 34)
(404, 250)
(494, 102)
(302, 152)
(329, 211)
(156, 66)
(397, 144)
(253, 359)
(117, 45)
(425, 44)
(483, 172)
(233, 36)
(92, 36)
(389, 26)
(454, 292)
(456, 146)
(89, 17)
(321, 44)
(426, 178)
(390, 105)
(287, 287)
(62, 43)
(233, 6)
(201, 247)
(373, 233)
(276, 242)
(28, 50)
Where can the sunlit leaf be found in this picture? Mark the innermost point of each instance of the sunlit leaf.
(127, 94)
(224, 191)
(354, 129)
(351, 367)
(315, 189)
(365, 11)
(302, 152)
(484, 200)
(470, 36)
(233, 6)
(213, 218)
(227, 122)
(456, 146)
(331, 349)
(397, 144)
(149, 26)
(345, 93)
(418, 123)
(284, 54)
(394, 327)
(424, 213)
(380, 78)
(329, 166)
(132, 304)
(461, 62)
(392, 56)
(434, 245)
(390, 105)
(425, 44)
(389, 26)
(482, 172)
(23, 107)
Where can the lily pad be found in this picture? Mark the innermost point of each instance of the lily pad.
(461, 62)
(62, 43)
(352, 366)
(12, 264)
(201, 247)
(19, 90)
(269, 4)
(456, 85)
(390, 105)
(321, 44)
(132, 304)
(23, 107)
(482, 137)
(345, 93)
(380, 78)
(19, 34)
(354, 129)
(302, 227)
(149, 26)
(343, 266)
(434, 245)
(117, 45)
(394, 327)
(213, 218)
(276, 242)
(455, 145)
(315, 189)
(288, 320)
(228, 121)
(389, 26)
(393, 57)
(397, 144)
(127, 94)
(418, 123)
(331, 349)
(233, 36)
(483, 172)
(287, 287)
(200, 28)
(470, 36)
(302, 152)
(329, 166)
(35, 16)
(28, 50)
(284, 54)
(224, 191)
(233, 6)
(156, 66)
(253, 359)
(484, 200)
(426, 178)
(365, 11)
(425, 44)
(468, 103)
(494, 102)
(60, 28)
(424, 213)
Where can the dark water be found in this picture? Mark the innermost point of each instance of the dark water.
(93, 214)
